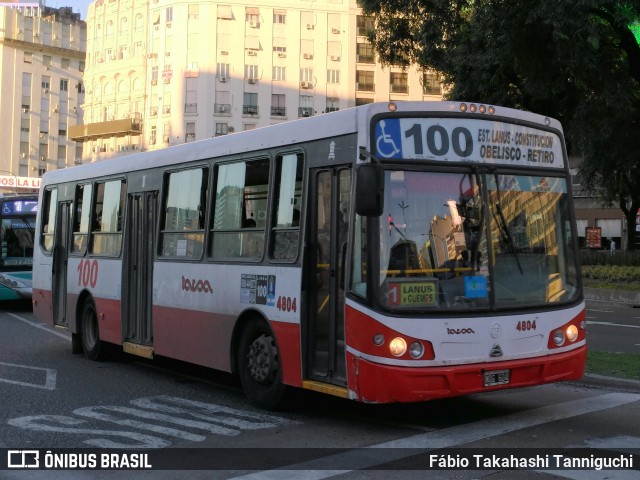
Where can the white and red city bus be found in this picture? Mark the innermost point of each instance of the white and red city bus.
(384, 253)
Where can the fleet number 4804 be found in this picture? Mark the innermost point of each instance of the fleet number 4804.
(525, 326)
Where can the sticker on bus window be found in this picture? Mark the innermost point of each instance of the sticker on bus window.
(476, 287)
(413, 293)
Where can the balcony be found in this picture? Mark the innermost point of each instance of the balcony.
(399, 88)
(278, 111)
(365, 87)
(250, 109)
(106, 129)
(305, 111)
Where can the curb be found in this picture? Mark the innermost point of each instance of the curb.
(591, 379)
(619, 297)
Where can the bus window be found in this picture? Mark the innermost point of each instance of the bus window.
(106, 230)
(49, 219)
(182, 232)
(239, 217)
(81, 218)
(288, 201)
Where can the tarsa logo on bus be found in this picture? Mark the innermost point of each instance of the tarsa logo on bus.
(196, 285)
(459, 331)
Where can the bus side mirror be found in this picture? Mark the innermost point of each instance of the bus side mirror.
(369, 190)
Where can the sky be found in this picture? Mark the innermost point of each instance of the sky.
(78, 5)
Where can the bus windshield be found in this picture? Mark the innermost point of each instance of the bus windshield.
(17, 242)
(475, 240)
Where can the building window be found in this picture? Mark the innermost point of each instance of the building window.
(251, 72)
(46, 61)
(28, 57)
(333, 76)
(333, 105)
(278, 105)
(250, 103)
(364, 25)
(399, 82)
(306, 75)
(64, 85)
(279, 74)
(222, 70)
(194, 11)
(364, 81)
(109, 28)
(46, 82)
(363, 101)
(154, 75)
(191, 99)
(279, 17)
(190, 132)
(221, 129)
(306, 106)
(168, 15)
(431, 84)
(139, 22)
(364, 53)
(124, 25)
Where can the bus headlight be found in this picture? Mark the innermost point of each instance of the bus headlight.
(572, 333)
(416, 350)
(398, 347)
(10, 282)
(558, 337)
(378, 339)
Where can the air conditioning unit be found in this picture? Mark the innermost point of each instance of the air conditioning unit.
(153, 111)
(167, 80)
(25, 110)
(55, 109)
(224, 52)
(335, 30)
(335, 58)
(152, 141)
(252, 80)
(231, 129)
(282, 55)
(310, 26)
(42, 158)
(252, 53)
(23, 155)
(222, 108)
(167, 54)
(166, 109)
(253, 24)
(306, 84)
(46, 90)
(223, 79)
(305, 112)
(165, 138)
(307, 56)
(252, 109)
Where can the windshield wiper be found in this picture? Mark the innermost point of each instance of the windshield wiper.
(504, 228)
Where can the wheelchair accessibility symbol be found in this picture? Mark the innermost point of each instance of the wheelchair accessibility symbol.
(388, 143)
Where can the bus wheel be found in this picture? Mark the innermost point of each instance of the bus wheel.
(259, 366)
(90, 334)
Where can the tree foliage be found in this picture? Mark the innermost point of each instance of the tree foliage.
(575, 60)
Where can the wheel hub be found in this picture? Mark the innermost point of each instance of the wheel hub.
(262, 361)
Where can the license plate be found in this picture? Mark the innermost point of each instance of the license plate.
(497, 377)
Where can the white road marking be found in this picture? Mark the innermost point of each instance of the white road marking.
(364, 458)
(46, 328)
(596, 310)
(212, 418)
(611, 324)
(49, 382)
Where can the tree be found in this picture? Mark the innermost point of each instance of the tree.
(575, 60)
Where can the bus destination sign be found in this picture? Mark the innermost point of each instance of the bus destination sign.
(467, 140)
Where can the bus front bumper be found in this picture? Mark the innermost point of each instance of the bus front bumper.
(375, 383)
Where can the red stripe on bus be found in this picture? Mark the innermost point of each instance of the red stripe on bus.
(288, 340)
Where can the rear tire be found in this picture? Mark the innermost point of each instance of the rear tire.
(259, 365)
(90, 332)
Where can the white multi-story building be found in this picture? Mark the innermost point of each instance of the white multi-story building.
(42, 56)
(163, 72)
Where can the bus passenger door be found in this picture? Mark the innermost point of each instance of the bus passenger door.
(328, 232)
(137, 273)
(60, 259)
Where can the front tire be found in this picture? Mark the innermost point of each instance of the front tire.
(90, 332)
(259, 365)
